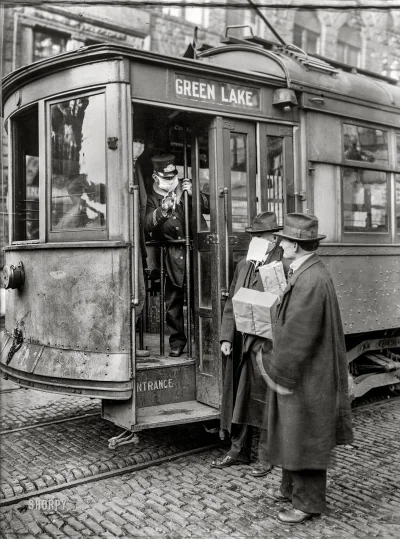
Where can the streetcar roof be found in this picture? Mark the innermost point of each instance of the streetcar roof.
(281, 66)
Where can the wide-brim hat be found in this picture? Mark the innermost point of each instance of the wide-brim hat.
(264, 222)
(164, 165)
(300, 227)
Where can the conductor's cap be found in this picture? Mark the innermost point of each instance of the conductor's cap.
(164, 165)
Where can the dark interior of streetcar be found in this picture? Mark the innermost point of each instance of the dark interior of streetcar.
(166, 131)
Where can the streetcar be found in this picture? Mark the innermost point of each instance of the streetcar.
(255, 128)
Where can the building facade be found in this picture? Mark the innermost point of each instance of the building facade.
(365, 39)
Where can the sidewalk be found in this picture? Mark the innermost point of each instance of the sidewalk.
(186, 498)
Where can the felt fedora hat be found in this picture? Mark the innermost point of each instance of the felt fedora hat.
(264, 222)
(164, 165)
(300, 227)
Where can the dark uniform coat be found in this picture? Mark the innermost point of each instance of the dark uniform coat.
(309, 357)
(170, 230)
(244, 390)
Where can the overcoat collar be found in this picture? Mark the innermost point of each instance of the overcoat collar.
(314, 259)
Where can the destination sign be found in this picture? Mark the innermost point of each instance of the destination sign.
(216, 92)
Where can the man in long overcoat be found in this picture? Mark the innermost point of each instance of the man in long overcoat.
(309, 409)
(244, 390)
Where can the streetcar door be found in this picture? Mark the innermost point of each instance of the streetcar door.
(239, 182)
(226, 174)
(206, 171)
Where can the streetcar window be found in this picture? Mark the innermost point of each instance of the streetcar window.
(26, 176)
(398, 202)
(239, 180)
(272, 198)
(365, 199)
(78, 168)
(365, 144)
(204, 182)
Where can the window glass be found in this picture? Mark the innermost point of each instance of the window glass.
(204, 279)
(272, 183)
(78, 186)
(26, 176)
(204, 183)
(365, 200)
(239, 180)
(398, 150)
(46, 44)
(353, 56)
(398, 202)
(365, 144)
(306, 31)
(313, 40)
(207, 358)
(298, 36)
(196, 14)
(172, 11)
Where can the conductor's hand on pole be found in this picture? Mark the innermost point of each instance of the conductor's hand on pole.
(187, 186)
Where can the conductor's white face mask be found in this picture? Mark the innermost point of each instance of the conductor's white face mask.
(166, 185)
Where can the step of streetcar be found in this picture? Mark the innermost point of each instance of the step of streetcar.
(173, 414)
(163, 380)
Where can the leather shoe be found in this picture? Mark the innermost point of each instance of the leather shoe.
(294, 516)
(225, 462)
(276, 494)
(261, 469)
(177, 351)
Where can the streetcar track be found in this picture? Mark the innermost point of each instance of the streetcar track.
(8, 390)
(47, 423)
(139, 466)
(107, 475)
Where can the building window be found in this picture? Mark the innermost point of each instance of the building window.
(172, 11)
(349, 46)
(307, 32)
(46, 44)
(196, 14)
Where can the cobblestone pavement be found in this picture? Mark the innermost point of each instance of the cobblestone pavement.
(61, 453)
(27, 406)
(186, 498)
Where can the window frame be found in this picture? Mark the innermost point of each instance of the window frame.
(305, 34)
(79, 234)
(391, 169)
(45, 30)
(15, 171)
(364, 164)
(346, 46)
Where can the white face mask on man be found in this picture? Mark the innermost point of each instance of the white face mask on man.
(258, 248)
(166, 185)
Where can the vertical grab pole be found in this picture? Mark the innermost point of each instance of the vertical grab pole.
(135, 263)
(224, 191)
(162, 310)
(187, 248)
